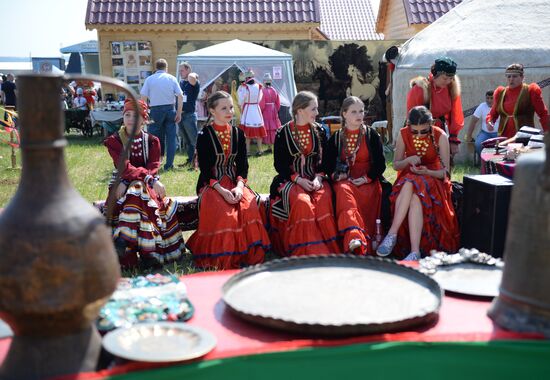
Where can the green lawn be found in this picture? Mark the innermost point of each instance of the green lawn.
(90, 168)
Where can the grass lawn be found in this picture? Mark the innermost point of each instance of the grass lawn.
(90, 168)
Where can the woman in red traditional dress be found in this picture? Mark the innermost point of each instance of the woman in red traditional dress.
(270, 105)
(230, 233)
(144, 219)
(302, 217)
(421, 195)
(354, 159)
(517, 103)
(440, 93)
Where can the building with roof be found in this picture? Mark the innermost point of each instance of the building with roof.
(402, 19)
(164, 24)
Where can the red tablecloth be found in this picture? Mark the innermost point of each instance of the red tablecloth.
(461, 320)
(492, 163)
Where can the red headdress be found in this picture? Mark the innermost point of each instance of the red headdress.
(143, 108)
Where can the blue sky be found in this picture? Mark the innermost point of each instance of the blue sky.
(41, 27)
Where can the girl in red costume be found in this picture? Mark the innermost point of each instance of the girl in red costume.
(144, 218)
(517, 103)
(354, 159)
(302, 217)
(423, 213)
(440, 93)
(230, 233)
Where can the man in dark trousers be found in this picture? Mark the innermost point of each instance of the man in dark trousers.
(190, 86)
(162, 90)
(9, 91)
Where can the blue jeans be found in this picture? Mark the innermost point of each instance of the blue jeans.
(188, 132)
(482, 136)
(164, 127)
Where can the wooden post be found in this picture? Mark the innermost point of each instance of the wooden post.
(13, 156)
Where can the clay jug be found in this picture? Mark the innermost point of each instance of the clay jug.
(523, 304)
(58, 265)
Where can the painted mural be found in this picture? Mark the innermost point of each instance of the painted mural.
(332, 70)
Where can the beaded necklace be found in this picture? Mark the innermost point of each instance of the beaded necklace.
(224, 137)
(421, 145)
(301, 138)
(351, 144)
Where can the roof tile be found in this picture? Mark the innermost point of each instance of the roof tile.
(338, 19)
(427, 11)
(348, 20)
(201, 11)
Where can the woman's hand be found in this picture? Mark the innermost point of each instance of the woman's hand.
(420, 170)
(238, 192)
(340, 177)
(159, 189)
(306, 184)
(227, 195)
(317, 183)
(121, 190)
(360, 181)
(413, 160)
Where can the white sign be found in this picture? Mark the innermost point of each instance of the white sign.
(277, 72)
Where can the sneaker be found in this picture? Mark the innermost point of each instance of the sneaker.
(413, 256)
(386, 247)
(354, 244)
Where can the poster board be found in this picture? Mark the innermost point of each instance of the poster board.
(132, 62)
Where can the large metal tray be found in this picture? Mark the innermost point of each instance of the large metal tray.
(334, 295)
(470, 279)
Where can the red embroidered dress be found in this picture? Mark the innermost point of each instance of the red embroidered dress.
(229, 236)
(357, 207)
(301, 222)
(440, 227)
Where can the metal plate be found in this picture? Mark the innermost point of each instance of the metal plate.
(333, 295)
(5, 330)
(470, 279)
(159, 342)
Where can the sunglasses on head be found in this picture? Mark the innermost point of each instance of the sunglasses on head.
(421, 131)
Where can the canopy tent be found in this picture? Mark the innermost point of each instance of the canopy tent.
(211, 62)
(483, 37)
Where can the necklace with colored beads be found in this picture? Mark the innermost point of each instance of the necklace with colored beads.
(225, 138)
(420, 145)
(351, 143)
(301, 138)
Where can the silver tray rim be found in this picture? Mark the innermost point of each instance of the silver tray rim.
(392, 266)
(208, 343)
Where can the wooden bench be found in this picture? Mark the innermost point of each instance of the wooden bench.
(188, 212)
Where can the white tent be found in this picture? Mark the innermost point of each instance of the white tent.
(213, 61)
(483, 37)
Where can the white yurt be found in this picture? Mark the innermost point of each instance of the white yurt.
(483, 37)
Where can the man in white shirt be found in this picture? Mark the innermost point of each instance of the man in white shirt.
(162, 89)
(487, 131)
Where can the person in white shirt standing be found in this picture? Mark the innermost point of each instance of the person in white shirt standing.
(487, 131)
(252, 122)
(162, 89)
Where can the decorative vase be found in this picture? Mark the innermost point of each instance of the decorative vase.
(58, 265)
